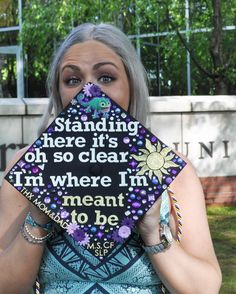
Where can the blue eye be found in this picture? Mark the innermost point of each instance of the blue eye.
(106, 79)
(73, 81)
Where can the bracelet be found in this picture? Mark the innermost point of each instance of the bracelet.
(37, 238)
(30, 238)
(30, 221)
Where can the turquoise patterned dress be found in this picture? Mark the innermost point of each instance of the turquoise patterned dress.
(69, 268)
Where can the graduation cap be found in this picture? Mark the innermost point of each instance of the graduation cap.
(95, 171)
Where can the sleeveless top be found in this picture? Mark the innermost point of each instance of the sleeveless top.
(69, 268)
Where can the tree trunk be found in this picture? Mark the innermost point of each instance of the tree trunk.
(216, 50)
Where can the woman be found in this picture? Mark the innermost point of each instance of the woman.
(103, 55)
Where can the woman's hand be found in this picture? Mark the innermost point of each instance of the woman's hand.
(19, 259)
(148, 226)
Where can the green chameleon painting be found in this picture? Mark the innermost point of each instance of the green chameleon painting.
(98, 105)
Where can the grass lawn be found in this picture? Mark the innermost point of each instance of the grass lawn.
(222, 221)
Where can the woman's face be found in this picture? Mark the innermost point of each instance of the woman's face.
(92, 61)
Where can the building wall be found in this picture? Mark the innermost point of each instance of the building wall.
(200, 127)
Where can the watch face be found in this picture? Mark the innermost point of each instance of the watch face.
(166, 233)
(169, 236)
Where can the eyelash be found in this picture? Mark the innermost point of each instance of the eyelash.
(104, 79)
(106, 76)
(71, 81)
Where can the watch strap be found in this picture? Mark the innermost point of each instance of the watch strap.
(155, 248)
(164, 225)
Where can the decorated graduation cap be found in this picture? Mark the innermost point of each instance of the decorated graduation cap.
(95, 171)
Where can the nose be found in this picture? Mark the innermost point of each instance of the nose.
(89, 79)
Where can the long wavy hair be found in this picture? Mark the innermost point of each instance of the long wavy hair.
(115, 39)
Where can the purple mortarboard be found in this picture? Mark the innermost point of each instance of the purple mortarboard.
(95, 171)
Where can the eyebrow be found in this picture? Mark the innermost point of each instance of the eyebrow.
(95, 67)
(71, 66)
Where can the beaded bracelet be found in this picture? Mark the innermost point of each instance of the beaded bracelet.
(30, 238)
(45, 238)
(30, 221)
(33, 240)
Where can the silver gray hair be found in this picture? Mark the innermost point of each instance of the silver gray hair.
(115, 39)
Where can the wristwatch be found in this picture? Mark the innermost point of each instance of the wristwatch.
(166, 240)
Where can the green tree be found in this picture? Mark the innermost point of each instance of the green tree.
(8, 17)
(212, 52)
(45, 25)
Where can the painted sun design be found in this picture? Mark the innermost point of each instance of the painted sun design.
(154, 160)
